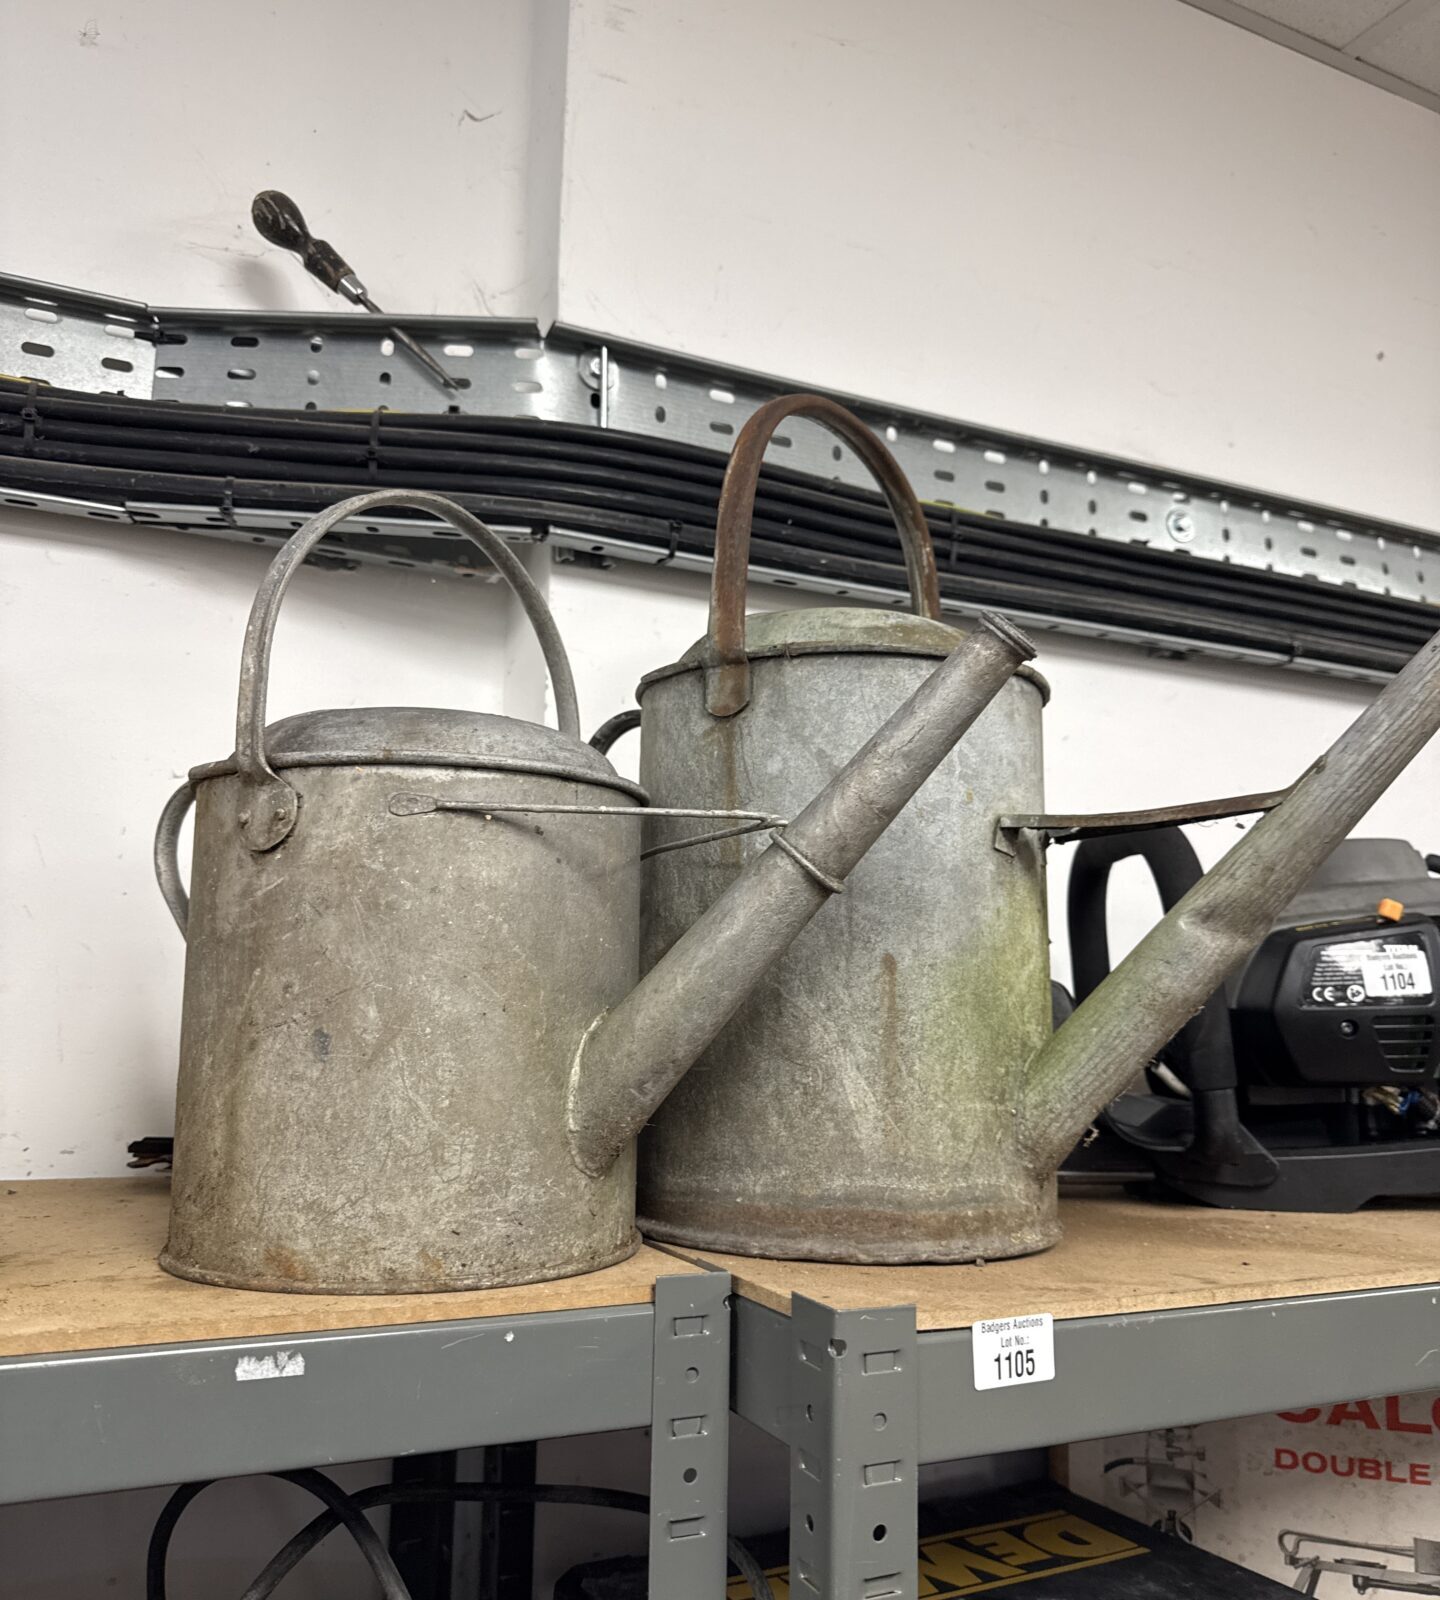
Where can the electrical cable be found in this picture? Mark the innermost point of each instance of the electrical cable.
(341, 1508)
(505, 444)
(660, 495)
(801, 512)
(506, 454)
(306, 1540)
(349, 1510)
(1378, 643)
(158, 1549)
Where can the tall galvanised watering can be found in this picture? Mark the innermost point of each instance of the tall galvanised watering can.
(414, 1055)
(891, 1090)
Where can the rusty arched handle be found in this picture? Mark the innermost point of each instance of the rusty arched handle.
(727, 669)
(271, 804)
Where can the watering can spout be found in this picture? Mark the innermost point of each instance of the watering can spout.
(633, 1055)
(1170, 974)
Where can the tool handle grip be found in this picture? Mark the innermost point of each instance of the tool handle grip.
(324, 262)
(278, 219)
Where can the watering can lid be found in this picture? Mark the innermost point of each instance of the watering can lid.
(421, 736)
(837, 630)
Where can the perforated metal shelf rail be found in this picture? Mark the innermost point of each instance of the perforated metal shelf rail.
(1063, 538)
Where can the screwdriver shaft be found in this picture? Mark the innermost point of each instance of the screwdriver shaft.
(279, 220)
(416, 349)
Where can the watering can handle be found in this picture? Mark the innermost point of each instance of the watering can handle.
(167, 854)
(727, 675)
(613, 728)
(271, 805)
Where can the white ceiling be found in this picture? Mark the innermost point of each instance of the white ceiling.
(1394, 44)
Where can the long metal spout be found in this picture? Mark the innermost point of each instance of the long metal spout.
(633, 1056)
(1169, 975)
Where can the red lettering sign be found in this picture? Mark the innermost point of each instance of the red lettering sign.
(1395, 1423)
(1363, 1412)
(1356, 1411)
(1416, 1473)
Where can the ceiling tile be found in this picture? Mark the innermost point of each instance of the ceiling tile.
(1332, 22)
(1397, 39)
(1412, 52)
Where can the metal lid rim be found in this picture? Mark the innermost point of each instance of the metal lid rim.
(282, 761)
(1030, 674)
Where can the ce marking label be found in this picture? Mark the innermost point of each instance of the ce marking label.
(1330, 994)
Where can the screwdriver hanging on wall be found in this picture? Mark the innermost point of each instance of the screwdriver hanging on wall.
(280, 221)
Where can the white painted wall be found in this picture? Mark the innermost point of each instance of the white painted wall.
(421, 140)
(1121, 225)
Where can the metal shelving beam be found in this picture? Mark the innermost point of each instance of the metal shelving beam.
(1128, 1374)
(94, 1421)
(121, 1419)
(810, 1379)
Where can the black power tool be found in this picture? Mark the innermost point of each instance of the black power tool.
(1310, 1082)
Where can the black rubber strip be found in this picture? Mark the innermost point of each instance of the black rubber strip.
(562, 448)
(661, 495)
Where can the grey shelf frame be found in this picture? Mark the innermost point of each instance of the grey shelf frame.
(92, 1421)
(863, 1401)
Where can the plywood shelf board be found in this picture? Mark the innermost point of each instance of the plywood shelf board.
(78, 1272)
(1120, 1256)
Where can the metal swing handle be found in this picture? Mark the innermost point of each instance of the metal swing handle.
(613, 728)
(271, 805)
(167, 854)
(727, 668)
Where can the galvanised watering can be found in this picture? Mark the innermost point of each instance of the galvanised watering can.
(890, 1090)
(414, 1055)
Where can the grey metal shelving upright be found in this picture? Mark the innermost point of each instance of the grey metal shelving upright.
(89, 1421)
(863, 1400)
